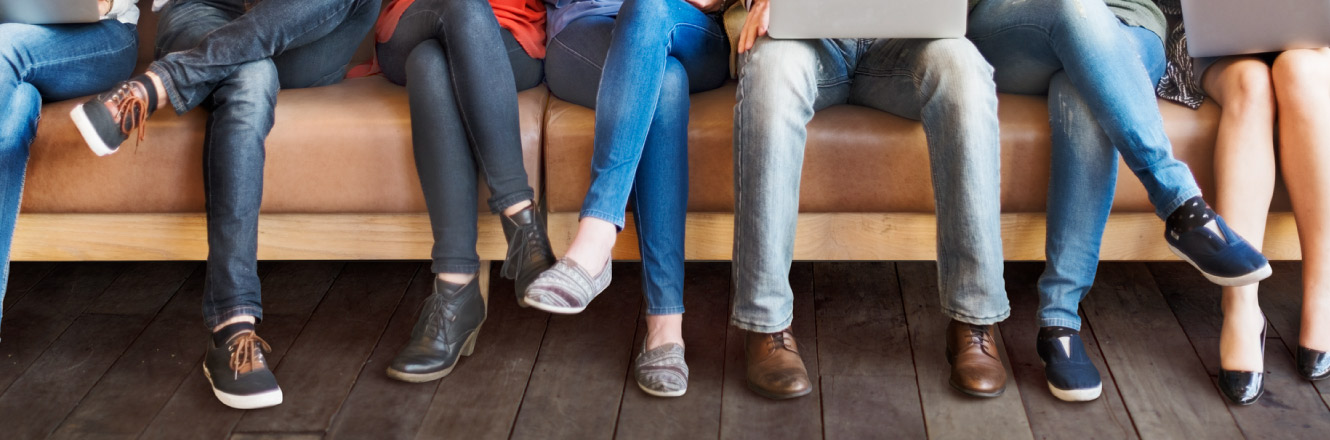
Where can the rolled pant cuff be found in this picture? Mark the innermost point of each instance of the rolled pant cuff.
(215, 320)
(990, 320)
(497, 205)
(1059, 322)
(454, 268)
(172, 94)
(677, 310)
(616, 220)
(759, 328)
(1164, 211)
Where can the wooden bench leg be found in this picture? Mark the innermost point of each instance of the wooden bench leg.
(484, 280)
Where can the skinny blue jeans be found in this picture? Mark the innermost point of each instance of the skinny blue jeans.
(646, 62)
(1099, 75)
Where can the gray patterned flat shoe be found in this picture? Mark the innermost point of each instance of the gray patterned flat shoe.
(662, 371)
(566, 288)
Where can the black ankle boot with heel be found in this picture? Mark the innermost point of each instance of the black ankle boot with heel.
(529, 251)
(449, 323)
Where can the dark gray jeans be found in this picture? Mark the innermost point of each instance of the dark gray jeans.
(462, 73)
(211, 54)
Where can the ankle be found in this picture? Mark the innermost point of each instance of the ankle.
(663, 330)
(158, 89)
(516, 208)
(1194, 213)
(456, 278)
(225, 332)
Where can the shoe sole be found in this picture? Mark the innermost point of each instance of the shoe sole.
(774, 396)
(662, 393)
(1081, 395)
(90, 135)
(252, 401)
(974, 393)
(1243, 280)
(467, 349)
(558, 310)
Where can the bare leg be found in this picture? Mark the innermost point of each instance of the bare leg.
(1303, 93)
(1245, 175)
(592, 245)
(664, 329)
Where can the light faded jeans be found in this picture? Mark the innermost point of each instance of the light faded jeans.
(944, 83)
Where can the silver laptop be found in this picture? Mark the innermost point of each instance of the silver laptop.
(48, 11)
(868, 18)
(1232, 27)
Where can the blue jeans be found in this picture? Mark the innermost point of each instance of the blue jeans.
(49, 63)
(1099, 75)
(310, 43)
(241, 107)
(944, 83)
(646, 62)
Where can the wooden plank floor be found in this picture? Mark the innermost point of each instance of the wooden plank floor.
(112, 350)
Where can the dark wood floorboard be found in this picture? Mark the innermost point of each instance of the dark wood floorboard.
(1050, 417)
(36, 320)
(706, 300)
(1288, 398)
(1157, 370)
(947, 413)
(149, 370)
(744, 414)
(325, 360)
(869, 387)
(113, 350)
(295, 288)
(578, 381)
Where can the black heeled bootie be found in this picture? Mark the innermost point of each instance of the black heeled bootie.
(449, 323)
(529, 251)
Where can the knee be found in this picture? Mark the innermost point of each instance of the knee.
(956, 67)
(251, 90)
(673, 89)
(426, 60)
(1247, 88)
(1300, 74)
(778, 68)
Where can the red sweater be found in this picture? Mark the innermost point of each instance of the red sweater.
(524, 18)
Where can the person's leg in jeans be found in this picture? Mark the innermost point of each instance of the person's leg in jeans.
(662, 50)
(947, 85)
(1027, 42)
(462, 74)
(655, 49)
(1083, 179)
(781, 84)
(268, 30)
(53, 63)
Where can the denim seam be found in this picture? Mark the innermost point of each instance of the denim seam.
(676, 310)
(1176, 203)
(82, 56)
(576, 53)
(497, 205)
(455, 268)
(953, 313)
(597, 214)
(1059, 322)
(760, 328)
(217, 318)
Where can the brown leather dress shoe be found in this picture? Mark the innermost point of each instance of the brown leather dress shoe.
(976, 366)
(775, 369)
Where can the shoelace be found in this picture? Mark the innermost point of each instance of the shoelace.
(132, 109)
(978, 337)
(245, 352)
(521, 251)
(439, 315)
(780, 341)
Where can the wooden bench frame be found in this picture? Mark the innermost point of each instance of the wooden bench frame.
(821, 236)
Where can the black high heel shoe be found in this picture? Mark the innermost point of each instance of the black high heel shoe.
(1245, 387)
(1313, 364)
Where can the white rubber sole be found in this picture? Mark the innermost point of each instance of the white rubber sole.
(558, 310)
(253, 401)
(1251, 278)
(662, 393)
(93, 139)
(1083, 395)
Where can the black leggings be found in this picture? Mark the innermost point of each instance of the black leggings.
(464, 73)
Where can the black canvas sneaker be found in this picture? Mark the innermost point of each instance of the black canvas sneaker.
(239, 374)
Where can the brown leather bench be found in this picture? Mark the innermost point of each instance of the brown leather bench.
(340, 183)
